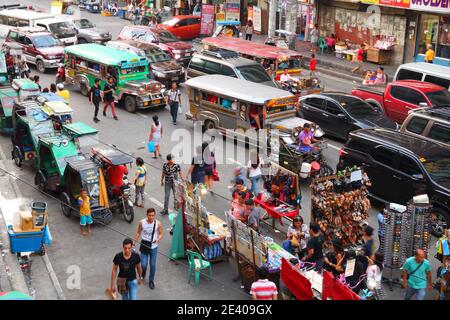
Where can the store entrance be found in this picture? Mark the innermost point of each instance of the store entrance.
(302, 22)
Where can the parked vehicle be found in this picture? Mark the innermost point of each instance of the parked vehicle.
(227, 63)
(338, 114)
(3, 70)
(233, 106)
(402, 166)
(93, 6)
(398, 97)
(134, 89)
(427, 72)
(163, 67)
(87, 32)
(40, 47)
(184, 27)
(179, 50)
(430, 123)
(19, 17)
(119, 198)
(62, 28)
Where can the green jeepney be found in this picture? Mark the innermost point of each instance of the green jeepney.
(85, 62)
(3, 70)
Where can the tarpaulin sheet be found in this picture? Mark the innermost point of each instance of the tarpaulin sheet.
(295, 281)
(334, 290)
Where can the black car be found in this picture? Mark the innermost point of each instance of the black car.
(402, 166)
(339, 114)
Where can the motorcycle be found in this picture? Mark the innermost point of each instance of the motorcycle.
(121, 200)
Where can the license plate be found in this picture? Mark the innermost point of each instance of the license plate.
(156, 101)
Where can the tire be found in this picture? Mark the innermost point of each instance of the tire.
(17, 156)
(66, 205)
(82, 40)
(128, 214)
(40, 66)
(40, 181)
(84, 90)
(130, 104)
(442, 222)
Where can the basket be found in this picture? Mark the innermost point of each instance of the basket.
(39, 206)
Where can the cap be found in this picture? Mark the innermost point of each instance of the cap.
(60, 86)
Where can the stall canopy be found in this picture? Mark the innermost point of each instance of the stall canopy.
(295, 281)
(335, 290)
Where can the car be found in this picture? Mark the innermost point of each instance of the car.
(430, 123)
(40, 47)
(181, 51)
(398, 97)
(338, 114)
(87, 32)
(423, 71)
(227, 63)
(402, 166)
(62, 28)
(184, 27)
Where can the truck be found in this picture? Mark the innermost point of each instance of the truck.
(399, 97)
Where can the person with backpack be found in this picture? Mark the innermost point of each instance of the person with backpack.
(95, 97)
(417, 276)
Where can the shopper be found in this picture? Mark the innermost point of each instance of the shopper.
(429, 54)
(24, 70)
(368, 243)
(253, 213)
(53, 88)
(333, 260)
(240, 187)
(63, 93)
(156, 132)
(381, 76)
(314, 37)
(380, 219)
(238, 207)
(170, 173)
(95, 97)
(296, 237)
(151, 231)
(359, 57)
(254, 172)
(263, 289)
(417, 276)
(85, 212)
(108, 97)
(249, 30)
(210, 166)
(173, 99)
(140, 180)
(36, 80)
(314, 248)
(197, 168)
(313, 65)
(128, 262)
(375, 274)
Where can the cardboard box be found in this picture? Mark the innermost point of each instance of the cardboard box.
(26, 221)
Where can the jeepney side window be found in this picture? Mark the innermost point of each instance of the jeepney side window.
(225, 103)
(243, 111)
(209, 97)
(93, 66)
(196, 95)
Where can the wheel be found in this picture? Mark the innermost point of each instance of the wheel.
(82, 40)
(17, 156)
(40, 181)
(130, 104)
(66, 205)
(84, 90)
(128, 213)
(40, 66)
(441, 222)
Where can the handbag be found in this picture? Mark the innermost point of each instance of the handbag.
(151, 146)
(294, 242)
(122, 285)
(215, 175)
(180, 110)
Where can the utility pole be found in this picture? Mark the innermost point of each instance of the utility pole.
(273, 4)
(291, 15)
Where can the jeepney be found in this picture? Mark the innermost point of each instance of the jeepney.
(3, 70)
(86, 62)
(230, 105)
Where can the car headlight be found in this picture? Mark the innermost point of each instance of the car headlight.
(177, 56)
(52, 57)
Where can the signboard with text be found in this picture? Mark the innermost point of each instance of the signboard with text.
(395, 3)
(441, 6)
(257, 19)
(233, 10)
(207, 20)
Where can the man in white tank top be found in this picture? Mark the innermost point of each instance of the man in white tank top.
(151, 232)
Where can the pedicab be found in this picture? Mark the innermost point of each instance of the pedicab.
(108, 160)
(82, 172)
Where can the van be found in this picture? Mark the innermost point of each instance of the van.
(63, 29)
(10, 18)
(227, 63)
(427, 72)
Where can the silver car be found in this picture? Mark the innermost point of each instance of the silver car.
(88, 33)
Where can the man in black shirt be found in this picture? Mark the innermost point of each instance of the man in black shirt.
(127, 262)
(108, 96)
(314, 247)
(95, 97)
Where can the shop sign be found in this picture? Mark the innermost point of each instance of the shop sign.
(207, 20)
(376, 2)
(257, 18)
(233, 10)
(442, 6)
(250, 13)
(220, 16)
(395, 3)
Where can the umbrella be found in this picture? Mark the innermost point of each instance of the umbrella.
(14, 295)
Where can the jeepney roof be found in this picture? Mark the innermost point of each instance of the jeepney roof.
(7, 97)
(42, 97)
(78, 129)
(238, 88)
(28, 14)
(252, 48)
(80, 165)
(115, 157)
(137, 44)
(105, 55)
(61, 147)
(56, 108)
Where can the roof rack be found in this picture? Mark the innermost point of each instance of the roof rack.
(220, 53)
(32, 29)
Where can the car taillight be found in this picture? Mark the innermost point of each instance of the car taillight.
(342, 152)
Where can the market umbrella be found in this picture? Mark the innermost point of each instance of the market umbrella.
(14, 295)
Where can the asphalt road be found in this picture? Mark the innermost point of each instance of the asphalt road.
(93, 255)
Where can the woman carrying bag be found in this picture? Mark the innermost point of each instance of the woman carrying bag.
(155, 137)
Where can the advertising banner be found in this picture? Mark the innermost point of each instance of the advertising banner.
(250, 13)
(395, 3)
(233, 10)
(207, 20)
(437, 6)
(257, 19)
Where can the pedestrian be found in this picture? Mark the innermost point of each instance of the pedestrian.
(253, 213)
(197, 168)
(314, 247)
(241, 187)
(429, 54)
(210, 166)
(171, 171)
(249, 30)
(53, 88)
(368, 243)
(314, 37)
(380, 219)
(140, 180)
(36, 80)
(156, 132)
(375, 274)
(128, 262)
(263, 289)
(63, 93)
(313, 65)
(85, 212)
(173, 99)
(237, 207)
(108, 97)
(254, 172)
(151, 231)
(24, 71)
(331, 42)
(95, 97)
(417, 276)
(297, 234)
(45, 90)
(359, 57)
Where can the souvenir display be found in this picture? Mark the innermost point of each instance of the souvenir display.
(340, 205)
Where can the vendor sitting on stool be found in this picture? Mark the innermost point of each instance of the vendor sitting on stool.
(306, 139)
(297, 235)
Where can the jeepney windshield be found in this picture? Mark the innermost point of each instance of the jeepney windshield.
(254, 73)
(124, 71)
(289, 64)
(84, 24)
(45, 41)
(166, 36)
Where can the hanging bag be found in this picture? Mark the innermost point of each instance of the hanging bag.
(151, 146)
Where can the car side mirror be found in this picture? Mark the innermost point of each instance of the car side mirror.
(418, 176)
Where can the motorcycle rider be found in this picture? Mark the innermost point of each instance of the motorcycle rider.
(286, 76)
(115, 175)
(60, 74)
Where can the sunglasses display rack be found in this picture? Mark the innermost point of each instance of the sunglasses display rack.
(421, 227)
(396, 229)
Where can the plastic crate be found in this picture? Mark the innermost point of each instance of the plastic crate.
(25, 241)
(39, 206)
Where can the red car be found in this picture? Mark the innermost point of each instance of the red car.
(181, 51)
(184, 27)
(399, 97)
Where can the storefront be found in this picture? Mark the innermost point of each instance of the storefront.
(306, 16)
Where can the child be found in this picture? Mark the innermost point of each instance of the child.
(313, 64)
(85, 212)
(367, 77)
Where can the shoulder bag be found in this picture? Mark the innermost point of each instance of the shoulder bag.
(415, 270)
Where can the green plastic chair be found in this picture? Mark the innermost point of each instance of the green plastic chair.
(203, 264)
(322, 45)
